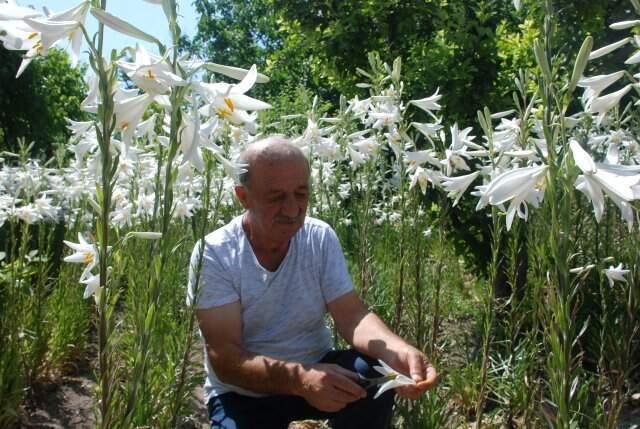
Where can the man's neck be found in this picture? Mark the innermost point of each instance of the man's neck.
(259, 243)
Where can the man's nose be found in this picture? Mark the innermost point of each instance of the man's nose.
(291, 207)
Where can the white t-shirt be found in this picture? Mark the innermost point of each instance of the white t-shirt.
(283, 312)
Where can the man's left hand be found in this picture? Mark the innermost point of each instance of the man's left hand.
(414, 363)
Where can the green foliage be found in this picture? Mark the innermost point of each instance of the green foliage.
(35, 105)
(472, 51)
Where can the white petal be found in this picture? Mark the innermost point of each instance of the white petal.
(247, 81)
(588, 186)
(243, 102)
(234, 72)
(609, 48)
(623, 25)
(633, 59)
(582, 159)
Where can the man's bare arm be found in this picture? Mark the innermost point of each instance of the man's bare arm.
(367, 333)
(325, 386)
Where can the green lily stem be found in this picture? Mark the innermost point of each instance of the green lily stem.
(496, 236)
(186, 357)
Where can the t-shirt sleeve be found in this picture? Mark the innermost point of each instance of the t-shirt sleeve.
(215, 287)
(335, 278)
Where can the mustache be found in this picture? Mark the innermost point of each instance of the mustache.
(286, 219)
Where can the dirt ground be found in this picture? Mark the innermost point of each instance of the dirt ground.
(69, 404)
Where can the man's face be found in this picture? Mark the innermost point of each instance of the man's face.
(276, 198)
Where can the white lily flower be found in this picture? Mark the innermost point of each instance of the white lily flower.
(368, 147)
(422, 177)
(233, 169)
(15, 34)
(90, 103)
(357, 158)
(461, 139)
(594, 85)
(10, 11)
(129, 113)
(78, 129)
(28, 214)
(92, 282)
(429, 104)
(428, 129)
(454, 161)
(45, 209)
(85, 253)
(395, 379)
(457, 186)
(229, 102)
(46, 32)
(520, 186)
(78, 14)
(415, 159)
(616, 274)
(618, 182)
(151, 72)
(609, 48)
(601, 105)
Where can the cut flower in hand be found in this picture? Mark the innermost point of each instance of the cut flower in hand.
(394, 379)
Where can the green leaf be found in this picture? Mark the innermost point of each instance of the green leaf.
(581, 63)
(542, 60)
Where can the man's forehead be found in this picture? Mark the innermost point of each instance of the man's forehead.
(271, 175)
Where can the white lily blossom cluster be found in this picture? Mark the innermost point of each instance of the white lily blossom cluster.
(507, 168)
(213, 113)
(26, 29)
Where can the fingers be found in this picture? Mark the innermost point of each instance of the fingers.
(409, 392)
(417, 363)
(428, 382)
(344, 380)
(345, 372)
(431, 378)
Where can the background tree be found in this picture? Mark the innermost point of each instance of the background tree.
(472, 51)
(35, 105)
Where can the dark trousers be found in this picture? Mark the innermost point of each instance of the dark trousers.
(235, 411)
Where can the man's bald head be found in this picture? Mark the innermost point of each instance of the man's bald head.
(270, 150)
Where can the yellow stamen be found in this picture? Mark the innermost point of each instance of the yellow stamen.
(88, 257)
(229, 103)
(33, 35)
(124, 126)
(150, 75)
(223, 113)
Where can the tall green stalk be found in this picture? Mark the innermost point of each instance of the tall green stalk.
(561, 331)
(105, 296)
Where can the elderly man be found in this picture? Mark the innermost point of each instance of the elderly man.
(267, 280)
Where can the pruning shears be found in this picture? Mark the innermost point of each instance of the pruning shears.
(368, 383)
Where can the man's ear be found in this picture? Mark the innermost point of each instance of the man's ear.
(241, 194)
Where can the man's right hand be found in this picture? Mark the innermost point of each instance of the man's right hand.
(329, 387)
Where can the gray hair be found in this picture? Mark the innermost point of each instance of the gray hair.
(270, 149)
